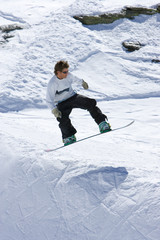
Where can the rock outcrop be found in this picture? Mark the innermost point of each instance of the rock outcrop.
(132, 45)
(127, 12)
(5, 31)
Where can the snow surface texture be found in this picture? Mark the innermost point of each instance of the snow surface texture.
(106, 188)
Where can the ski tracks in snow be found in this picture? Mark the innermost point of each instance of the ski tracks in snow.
(11, 17)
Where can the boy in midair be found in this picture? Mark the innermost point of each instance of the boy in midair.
(61, 98)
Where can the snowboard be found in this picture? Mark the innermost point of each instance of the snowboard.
(91, 136)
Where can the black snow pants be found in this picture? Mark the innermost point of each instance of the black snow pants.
(77, 101)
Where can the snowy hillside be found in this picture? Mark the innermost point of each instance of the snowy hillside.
(105, 188)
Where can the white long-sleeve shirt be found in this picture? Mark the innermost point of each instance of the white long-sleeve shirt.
(59, 90)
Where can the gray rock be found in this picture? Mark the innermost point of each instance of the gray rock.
(132, 45)
(127, 12)
(6, 29)
(10, 27)
(156, 60)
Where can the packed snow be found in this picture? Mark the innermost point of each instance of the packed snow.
(104, 188)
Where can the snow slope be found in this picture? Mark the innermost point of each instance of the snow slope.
(106, 188)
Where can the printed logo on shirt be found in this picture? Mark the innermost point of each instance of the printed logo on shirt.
(60, 92)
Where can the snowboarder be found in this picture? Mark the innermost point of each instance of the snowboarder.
(61, 99)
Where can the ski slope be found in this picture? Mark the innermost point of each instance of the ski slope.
(105, 188)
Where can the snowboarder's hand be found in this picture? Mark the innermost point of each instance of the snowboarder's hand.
(84, 85)
(57, 113)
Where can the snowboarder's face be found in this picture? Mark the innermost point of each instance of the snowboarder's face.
(62, 74)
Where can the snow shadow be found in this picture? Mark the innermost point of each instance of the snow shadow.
(99, 182)
(80, 197)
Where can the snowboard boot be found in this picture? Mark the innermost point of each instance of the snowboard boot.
(69, 140)
(104, 127)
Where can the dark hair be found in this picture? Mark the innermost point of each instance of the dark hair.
(60, 66)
